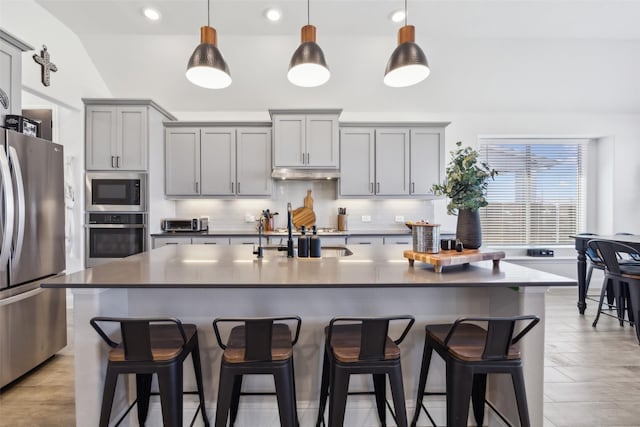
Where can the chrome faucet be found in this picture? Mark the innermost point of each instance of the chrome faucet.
(290, 253)
(259, 251)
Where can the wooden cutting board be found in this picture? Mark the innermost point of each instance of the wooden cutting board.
(444, 258)
(304, 216)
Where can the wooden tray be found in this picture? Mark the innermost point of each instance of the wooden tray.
(444, 258)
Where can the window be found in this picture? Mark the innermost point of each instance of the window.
(538, 195)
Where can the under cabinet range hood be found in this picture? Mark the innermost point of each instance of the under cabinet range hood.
(305, 174)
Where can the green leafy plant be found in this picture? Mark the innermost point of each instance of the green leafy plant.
(466, 181)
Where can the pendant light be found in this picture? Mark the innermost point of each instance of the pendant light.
(308, 67)
(408, 64)
(206, 66)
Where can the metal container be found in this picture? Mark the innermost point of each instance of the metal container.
(426, 238)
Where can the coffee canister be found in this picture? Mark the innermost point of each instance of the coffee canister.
(426, 238)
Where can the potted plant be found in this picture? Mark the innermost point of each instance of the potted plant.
(466, 187)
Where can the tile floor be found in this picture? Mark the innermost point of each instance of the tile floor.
(591, 375)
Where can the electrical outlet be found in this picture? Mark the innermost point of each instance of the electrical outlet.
(249, 218)
(399, 218)
(366, 218)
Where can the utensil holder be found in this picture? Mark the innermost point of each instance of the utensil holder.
(426, 238)
(342, 222)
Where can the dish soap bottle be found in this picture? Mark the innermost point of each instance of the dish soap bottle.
(314, 244)
(303, 243)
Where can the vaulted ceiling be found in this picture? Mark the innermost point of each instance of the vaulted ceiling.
(485, 55)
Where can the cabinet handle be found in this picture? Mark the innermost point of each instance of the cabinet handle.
(238, 188)
(371, 187)
(308, 157)
(364, 243)
(302, 156)
(413, 187)
(197, 188)
(377, 187)
(232, 187)
(117, 161)
(113, 161)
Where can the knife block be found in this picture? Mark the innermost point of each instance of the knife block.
(342, 222)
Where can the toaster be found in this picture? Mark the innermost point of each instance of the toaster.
(179, 224)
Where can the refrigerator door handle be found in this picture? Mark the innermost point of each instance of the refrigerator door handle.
(9, 213)
(15, 162)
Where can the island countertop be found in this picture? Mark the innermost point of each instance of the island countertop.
(206, 266)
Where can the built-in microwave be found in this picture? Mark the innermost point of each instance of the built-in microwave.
(116, 192)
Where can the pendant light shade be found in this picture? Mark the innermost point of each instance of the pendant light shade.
(207, 68)
(308, 68)
(408, 64)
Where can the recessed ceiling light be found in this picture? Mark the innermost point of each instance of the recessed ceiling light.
(273, 14)
(151, 14)
(398, 16)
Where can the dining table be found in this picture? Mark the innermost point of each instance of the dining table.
(581, 241)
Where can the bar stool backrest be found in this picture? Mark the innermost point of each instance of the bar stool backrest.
(258, 334)
(373, 333)
(500, 333)
(610, 253)
(136, 335)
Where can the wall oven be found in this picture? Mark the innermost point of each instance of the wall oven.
(112, 236)
(116, 192)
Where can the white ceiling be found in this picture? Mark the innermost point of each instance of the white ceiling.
(507, 55)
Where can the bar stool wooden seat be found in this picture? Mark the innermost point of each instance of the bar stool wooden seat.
(151, 346)
(361, 345)
(470, 353)
(257, 346)
(623, 276)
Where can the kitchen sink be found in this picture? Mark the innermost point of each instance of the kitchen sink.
(327, 251)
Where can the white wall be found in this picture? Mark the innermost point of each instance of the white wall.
(76, 78)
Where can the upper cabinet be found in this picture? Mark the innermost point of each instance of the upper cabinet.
(305, 138)
(11, 74)
(117, 134)
(390, 160)
(217, 160)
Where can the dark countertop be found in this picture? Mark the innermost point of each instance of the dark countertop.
(207, 266)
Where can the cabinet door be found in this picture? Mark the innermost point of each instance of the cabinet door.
(182, 162)
(101, 125)
(392, 162)
(254, 162)
(10, 79)
(365, 240)
(289, 140)
(223, 241)
(427, 158)
(159, 242)
(132, 139)
(398, 240)
(322, 141)
(218, 161)
(244, 240)
(357, 162)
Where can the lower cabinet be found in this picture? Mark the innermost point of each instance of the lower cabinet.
(398, 240)
(246, 240)
(365, 240)
(158, 242)
(210, 240)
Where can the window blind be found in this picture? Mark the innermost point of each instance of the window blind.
(538, 195)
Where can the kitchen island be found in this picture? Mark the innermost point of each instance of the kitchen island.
(197, 283)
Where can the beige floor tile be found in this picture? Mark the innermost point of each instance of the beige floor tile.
(590, 414)
(554, 375)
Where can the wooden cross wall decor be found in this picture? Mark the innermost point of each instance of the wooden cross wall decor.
(47, 65)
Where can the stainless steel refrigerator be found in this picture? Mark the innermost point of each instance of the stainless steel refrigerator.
(32, 248)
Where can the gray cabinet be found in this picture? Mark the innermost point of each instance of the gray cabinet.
(182, 162)
(374, 162)
(11, 74)
(116, 137)
(390, 160)
(217, 161)
(427, 160)
(305, 140)
(159, 242)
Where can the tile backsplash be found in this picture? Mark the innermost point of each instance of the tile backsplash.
(236, 214)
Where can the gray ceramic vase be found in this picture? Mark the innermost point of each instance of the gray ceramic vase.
(468, 230)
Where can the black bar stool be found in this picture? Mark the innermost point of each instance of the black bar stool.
(622, 273)
(470, 353)
(361, 345)
(151, 346)
(257, 346)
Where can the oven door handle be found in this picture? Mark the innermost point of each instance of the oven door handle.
(17, 169)
(115, 226)
(9, 213)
